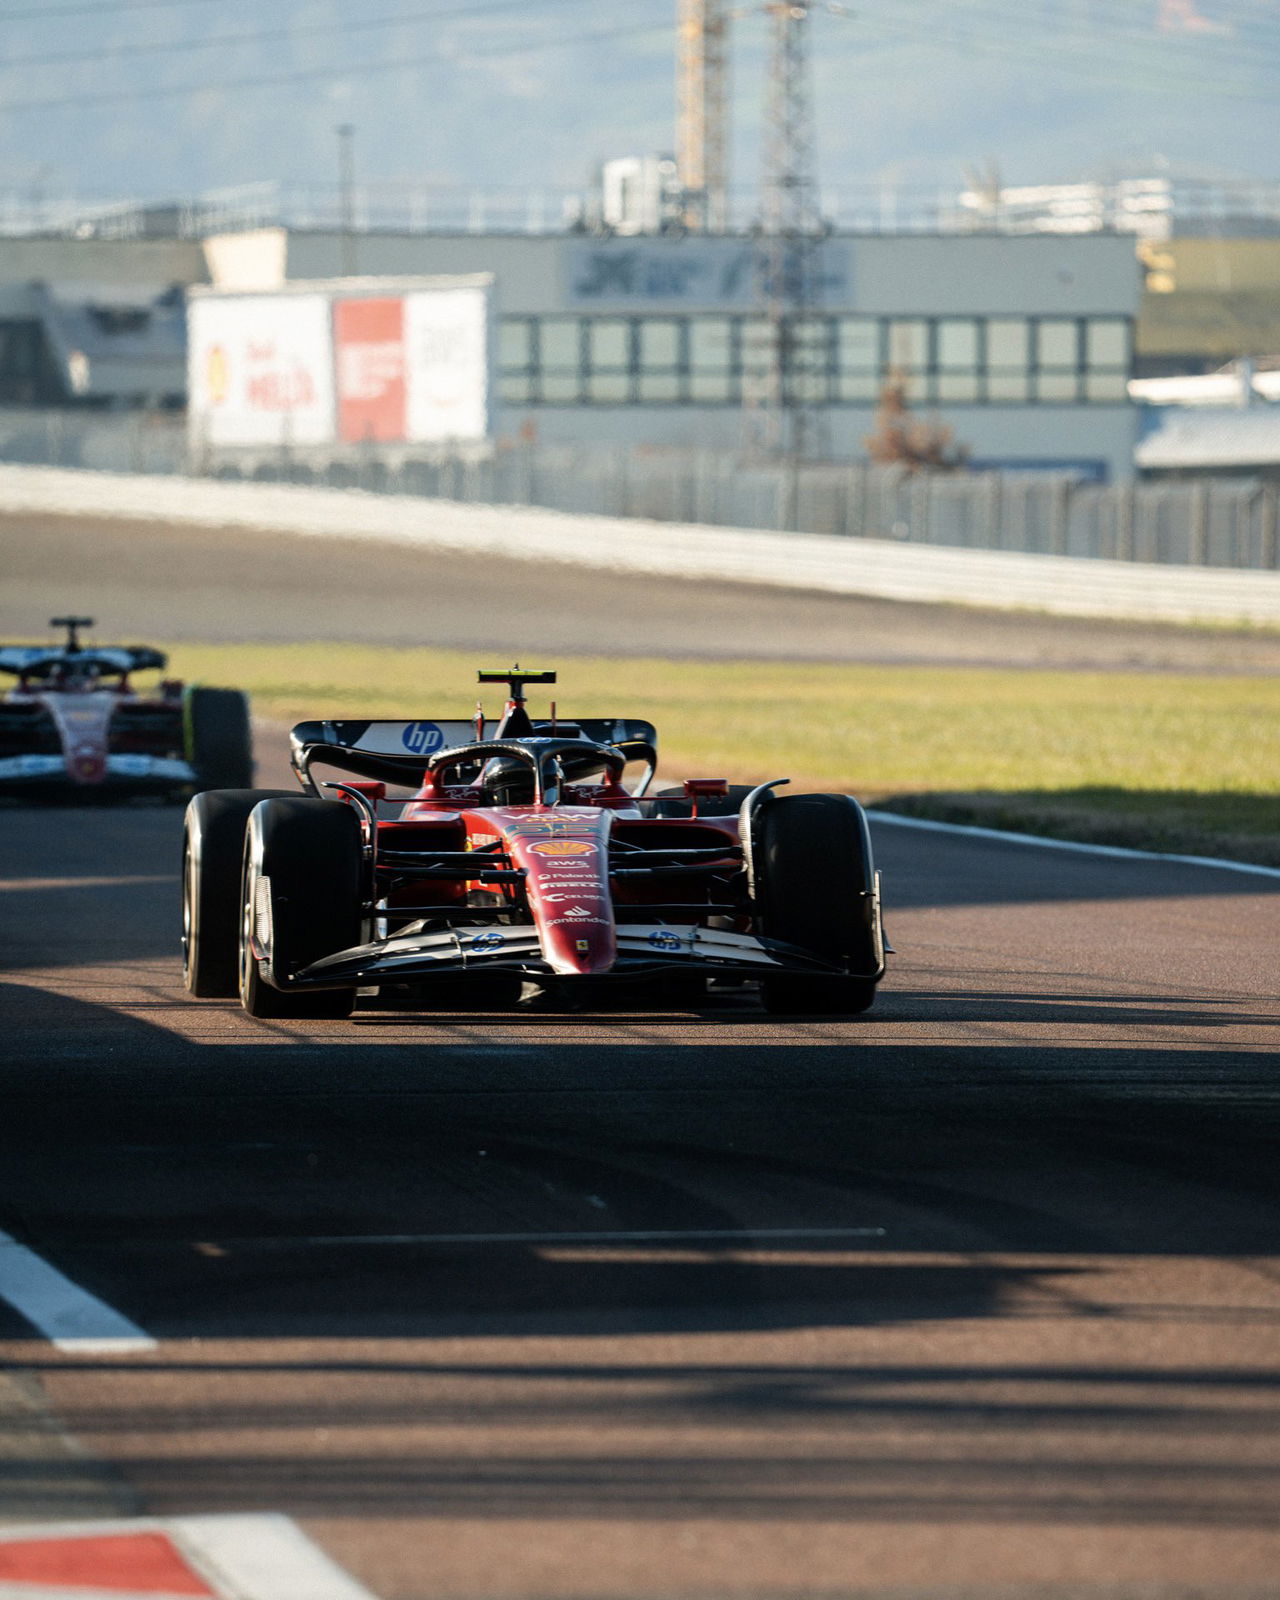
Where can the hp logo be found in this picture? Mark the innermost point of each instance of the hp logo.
(421, 738)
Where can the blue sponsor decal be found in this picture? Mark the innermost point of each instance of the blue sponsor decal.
(422, 738)
(486, 941)
(664, 941)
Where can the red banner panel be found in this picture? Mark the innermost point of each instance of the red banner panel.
(368, 337)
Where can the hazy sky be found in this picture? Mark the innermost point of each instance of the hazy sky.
(168, 98)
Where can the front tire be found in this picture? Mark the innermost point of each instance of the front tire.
(815, 886)
(302, 857)
(212, 853)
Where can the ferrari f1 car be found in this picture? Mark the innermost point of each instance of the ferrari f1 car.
(520, 857)
(74, 724)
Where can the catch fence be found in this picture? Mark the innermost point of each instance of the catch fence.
(1216, 522)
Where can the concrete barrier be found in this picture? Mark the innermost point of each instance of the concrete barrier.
(1064, 585)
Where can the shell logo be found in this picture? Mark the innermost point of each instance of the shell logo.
(217, 378)
(563, 847)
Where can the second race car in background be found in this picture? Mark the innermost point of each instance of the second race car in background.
(74, 725)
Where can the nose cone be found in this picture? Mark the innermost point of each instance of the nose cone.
(565, 855)
(83, 722)
(89, 766)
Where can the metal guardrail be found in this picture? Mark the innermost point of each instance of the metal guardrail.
(1156, 207)
(1222, 522)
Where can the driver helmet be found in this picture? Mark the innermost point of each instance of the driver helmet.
(75, 675)
(508, 781)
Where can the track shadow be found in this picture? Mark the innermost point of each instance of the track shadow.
(1115, 1011)
(271, 1191)
(228, 1193)
(903, 1442)
(82, 885)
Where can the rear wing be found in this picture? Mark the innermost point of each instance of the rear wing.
(398, 752)
(38, 661)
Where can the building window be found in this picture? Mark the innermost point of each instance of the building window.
(609, 380)
(859, 359)
(1108, 358)
(723, 360)
(517, 359)
(908, 355)
(663, 362)
(714, 360)
(1058, 365)
(758, 335)
(809, 340)
(1008, 360)
(560, 360)
(957, 363)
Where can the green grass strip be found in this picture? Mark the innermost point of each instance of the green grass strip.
(1151, 760)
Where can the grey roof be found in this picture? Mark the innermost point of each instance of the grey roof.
(1204, 437)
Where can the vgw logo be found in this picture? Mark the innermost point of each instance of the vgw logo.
(421, 738)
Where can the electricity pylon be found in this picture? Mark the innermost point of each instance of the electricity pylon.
(702, 110)
(794, 378)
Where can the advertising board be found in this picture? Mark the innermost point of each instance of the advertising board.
(336, 362)
(369, 361)
(447, 346)
(261, 369)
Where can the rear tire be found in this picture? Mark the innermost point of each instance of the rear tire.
(309, 853)
(219, 738)
(212, 853)
(814, 882)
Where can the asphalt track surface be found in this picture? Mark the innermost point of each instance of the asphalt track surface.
(976, 1295)
(143, 580)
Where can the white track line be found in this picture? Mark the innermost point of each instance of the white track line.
(263, 1556)
(1072, 844)
(70, 1317)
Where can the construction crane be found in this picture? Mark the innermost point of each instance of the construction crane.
(702, 111)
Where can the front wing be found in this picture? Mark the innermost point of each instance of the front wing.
(123, 771)
(643, 949)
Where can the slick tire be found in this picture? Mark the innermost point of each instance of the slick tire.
(814, 874)
(676, 803)
(212, 853)
(309, 853)
(219, 738)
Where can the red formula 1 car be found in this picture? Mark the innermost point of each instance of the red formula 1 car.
(74, 725)
(520, 857)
